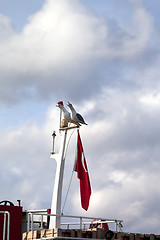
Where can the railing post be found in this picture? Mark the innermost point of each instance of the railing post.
(80, 223)
(28, 223)
(4, 227)
(116, 225)
(42, 221)
(6, 222)
(31, 221)
(8, 233)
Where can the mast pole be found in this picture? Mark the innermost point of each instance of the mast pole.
(55, 221)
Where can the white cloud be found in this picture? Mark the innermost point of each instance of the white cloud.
(63, 40)
(6, 28)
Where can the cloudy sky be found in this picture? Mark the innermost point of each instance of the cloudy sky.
(104, 57)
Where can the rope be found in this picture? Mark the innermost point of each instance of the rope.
(68, 191)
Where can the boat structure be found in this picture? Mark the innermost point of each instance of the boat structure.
(51, 223)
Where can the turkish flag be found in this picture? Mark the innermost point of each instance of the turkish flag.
(82, 174)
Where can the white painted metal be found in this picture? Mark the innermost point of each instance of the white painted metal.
(8, 227)
(66, 238)
(55, 221)
(4, 226)
(81, 223)
(42, 222)
(32, 222)
(28, 223)
(5, 222)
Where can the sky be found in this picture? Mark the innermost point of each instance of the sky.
(103, 57)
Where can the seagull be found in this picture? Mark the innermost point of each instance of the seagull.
(66, 114)
(76, 117)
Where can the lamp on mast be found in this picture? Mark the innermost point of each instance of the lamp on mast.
(53, 135)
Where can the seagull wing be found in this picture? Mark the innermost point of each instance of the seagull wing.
(80, 118)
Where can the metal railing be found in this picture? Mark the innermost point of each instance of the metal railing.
(6, 224)
(67, 238)
(82, 223)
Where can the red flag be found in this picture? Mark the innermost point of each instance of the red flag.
(82, 174)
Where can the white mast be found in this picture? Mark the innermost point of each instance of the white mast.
(55, 221)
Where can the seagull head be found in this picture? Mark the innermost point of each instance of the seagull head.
(69, 104)
(59, 104)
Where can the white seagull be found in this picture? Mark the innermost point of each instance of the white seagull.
(66, 114)
(76, 117)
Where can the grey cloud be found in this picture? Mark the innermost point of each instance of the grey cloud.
(6, 28)
(69, 51)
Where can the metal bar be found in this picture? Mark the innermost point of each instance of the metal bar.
(81, 223)
(42, 222)
(31, 221)
(72, 238)
(84, 223)
(8, 233)
(6, 223)
(73, 216)
(4, 226)
(66, 128)
(28, 223)
(116, 225)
